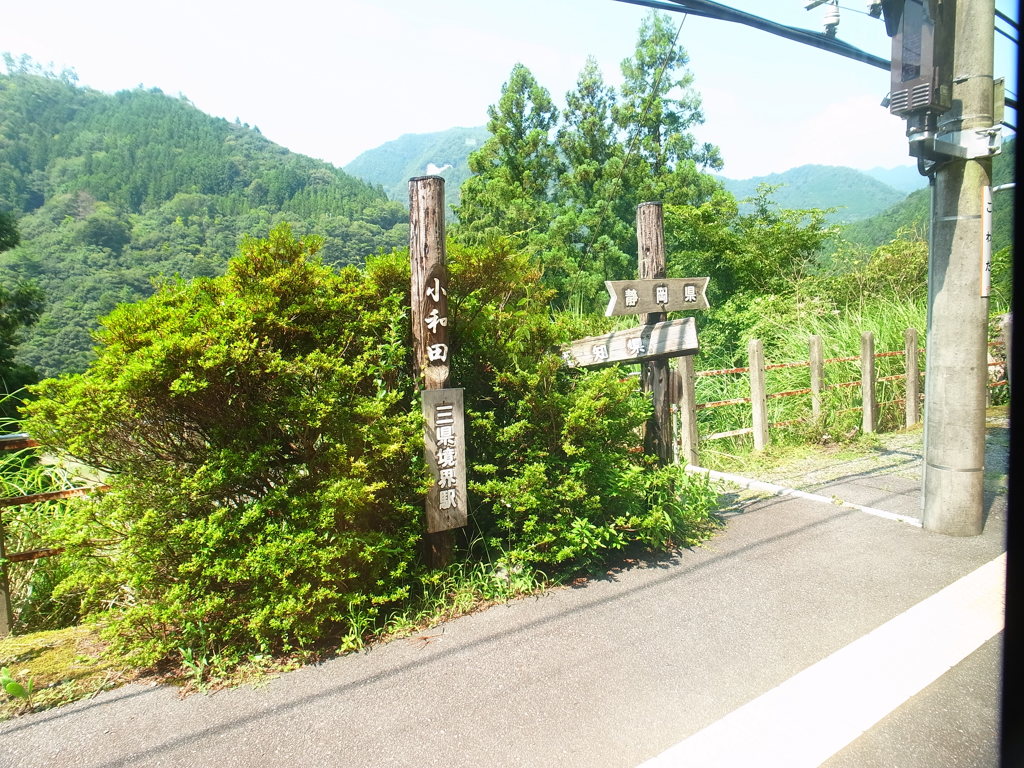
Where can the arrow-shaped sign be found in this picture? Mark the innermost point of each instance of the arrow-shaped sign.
(672, 338)
(634, 297)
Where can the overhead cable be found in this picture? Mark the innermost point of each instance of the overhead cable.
(712, 10)
(1007, 19)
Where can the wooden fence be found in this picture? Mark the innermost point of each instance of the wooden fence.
(19, 442)
(686, 408)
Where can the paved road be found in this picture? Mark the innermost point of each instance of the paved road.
(625, 669)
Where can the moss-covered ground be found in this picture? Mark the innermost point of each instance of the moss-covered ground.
(62, 665)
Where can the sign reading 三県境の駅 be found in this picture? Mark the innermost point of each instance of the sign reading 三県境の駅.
(444, 433)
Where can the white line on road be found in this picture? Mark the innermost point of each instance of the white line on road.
(817, 712)
(780, 490)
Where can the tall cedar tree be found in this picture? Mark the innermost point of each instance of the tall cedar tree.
(571, 201)
(516, 168)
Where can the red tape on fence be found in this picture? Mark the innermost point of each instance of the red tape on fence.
(17, 442)
(791, 392)
(35, 498)
(719, 403)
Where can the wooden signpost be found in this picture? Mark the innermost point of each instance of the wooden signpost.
(637, 345)
(444, 435)
(657, 340)
(444, 424)
(634, 297)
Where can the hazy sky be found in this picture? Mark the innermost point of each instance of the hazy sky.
(333, 79)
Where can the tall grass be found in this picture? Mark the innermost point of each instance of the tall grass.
(30, 527)
(841, 337)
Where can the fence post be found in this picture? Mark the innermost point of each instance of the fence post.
(6, 611)
(758, 394)
(687, 408)
(817, 376)
(913, 395)
(867, 382)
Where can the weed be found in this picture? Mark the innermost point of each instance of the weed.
(197, 667)
(16, 689)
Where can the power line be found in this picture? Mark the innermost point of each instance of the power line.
(858, 10)
(1007, 19)
(1008, 36)
(712, 10)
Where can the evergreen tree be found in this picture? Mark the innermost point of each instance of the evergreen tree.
(657, 110)
(592, 226)
(516, 169)
(9, 236)
(572, 202)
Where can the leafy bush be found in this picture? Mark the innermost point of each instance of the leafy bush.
(264, 445)
(259, 433)
(556, 464)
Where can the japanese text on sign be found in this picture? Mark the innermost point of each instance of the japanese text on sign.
(445, 453)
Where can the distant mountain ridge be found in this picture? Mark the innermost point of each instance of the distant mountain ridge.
(442, 153)
(856, 195)
(905, 178)
(912, 213)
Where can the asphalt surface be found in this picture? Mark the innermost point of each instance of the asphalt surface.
(610, 673)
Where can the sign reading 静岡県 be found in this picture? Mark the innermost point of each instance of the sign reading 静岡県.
(672, 294)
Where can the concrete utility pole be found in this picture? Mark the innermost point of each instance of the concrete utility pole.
(956, 367)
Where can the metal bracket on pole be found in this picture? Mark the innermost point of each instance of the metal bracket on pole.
(966, 145)
(970, 145)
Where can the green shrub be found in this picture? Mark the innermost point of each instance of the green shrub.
(265, 449)
(259, 432)
(556, 466)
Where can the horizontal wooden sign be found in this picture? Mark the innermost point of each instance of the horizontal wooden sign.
(673, 338)
(444, 435)
(633, 297)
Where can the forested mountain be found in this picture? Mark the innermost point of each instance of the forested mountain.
(444, 153)
(905, 178)
(854, 194)
(110, 192)
(912, 213)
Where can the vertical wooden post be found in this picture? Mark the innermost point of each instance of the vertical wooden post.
(686, 404)
(817, 376)
(429, 299)
(758, 394)
(912, 406)
(6, 610)
(869, 407)
(429, 294)
(650, 240)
